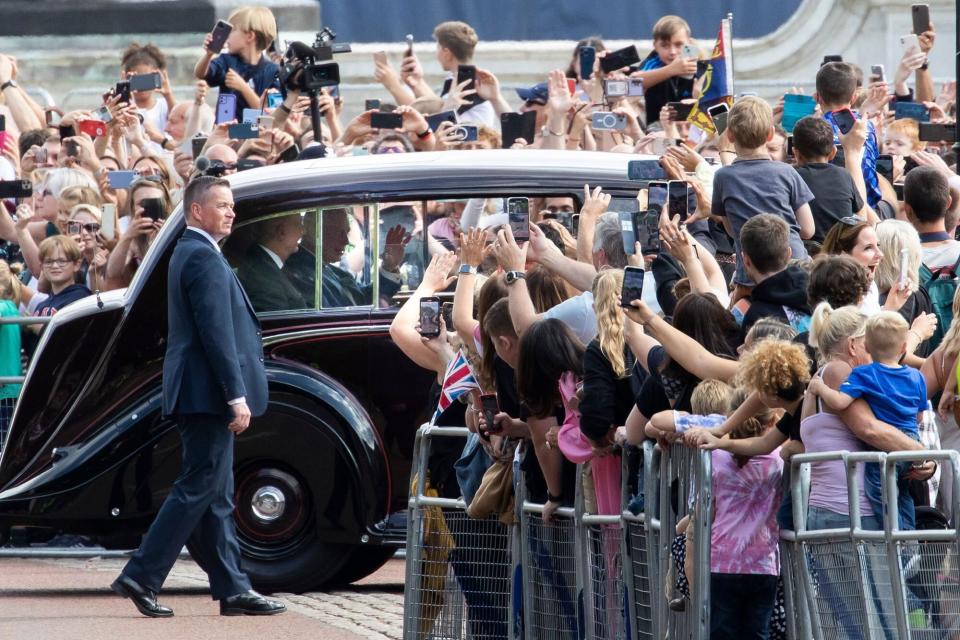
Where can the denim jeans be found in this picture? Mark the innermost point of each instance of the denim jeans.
(819, 518)
(872, 481)
(741, 605)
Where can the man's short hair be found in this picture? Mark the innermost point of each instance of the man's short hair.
(813, 137)
(196, 191)
(836, 83)
(749, 122)
(886, 333)
(30, 138)
(65, 243)
(607, 235)
(669, 26)
(927, 192)
(458, 37)
(766, 240)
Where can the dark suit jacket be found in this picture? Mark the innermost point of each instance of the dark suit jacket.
(214, 348)
(268, 288)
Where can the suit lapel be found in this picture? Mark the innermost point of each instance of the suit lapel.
(236, 281)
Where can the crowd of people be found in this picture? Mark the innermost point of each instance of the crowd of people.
(806, 304)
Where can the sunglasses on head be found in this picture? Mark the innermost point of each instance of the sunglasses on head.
(851, 221)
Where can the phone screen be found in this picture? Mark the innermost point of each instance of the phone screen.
(447, 311)
(619, 59)
(632, 285)
(145, 82)
(627, 232)
(656, 195)
(518, 215)
(430, 317)
(845, 120)
(517, 125)
(921, 18)
(885, 167)
(678, 195)
(647, 226)
(380, 120)
(152, 208)
(490, 408)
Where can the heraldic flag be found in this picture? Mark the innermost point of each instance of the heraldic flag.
(718, 79)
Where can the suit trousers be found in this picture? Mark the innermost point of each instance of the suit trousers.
(198, 508)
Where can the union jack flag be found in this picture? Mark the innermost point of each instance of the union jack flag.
(457, 380)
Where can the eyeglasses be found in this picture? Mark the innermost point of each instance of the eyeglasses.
(73, 228)
(534, 103)
(57, 262)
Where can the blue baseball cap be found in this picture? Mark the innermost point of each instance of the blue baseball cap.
(537, 93)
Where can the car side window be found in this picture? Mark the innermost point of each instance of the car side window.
(273, 259)
(345, 249)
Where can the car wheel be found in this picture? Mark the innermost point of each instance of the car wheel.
(363, 561)
(277, 531)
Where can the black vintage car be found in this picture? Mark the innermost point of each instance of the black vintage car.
(320, 475)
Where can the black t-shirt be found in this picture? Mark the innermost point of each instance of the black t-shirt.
(835, 195)
(789, 424)
(672, 89)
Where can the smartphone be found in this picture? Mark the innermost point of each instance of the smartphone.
(912, 110)
(103, 114)
(909, 164)
(108, 220)
(381, 120)
(845, 120)
(122, 89)
(518, 216)
(3, 131)
(430, 317)
(614, 88)
(910, 43)
(645, 170)
(409, 50)
(634, 87)
(447, 312)
(251, 115)
(152, 208)
(16, 188)
(66, 131)
(248, 163)
(371, 105)
(92, 128)
(904, 264)
(656, 195)
(679, 198)
(572, 86)
(517, 125)
(619, 59)
(71, 148)
(437, 119)
(196, 145)
(588, 56)
(831, 58)
(333, 90)
(290, 154)
(877, 73)
(796, 106)
(226, 108)
(627, 232)
(146, 81)
(790, 146)
(52, 117)
(632, 285)
(243, 131)
(682, 110)
(647, 227)
(265, 123)
(490, 408)
(467, 72)
(718, 113)
(921, 18)
(898, 189)
(839, 158)
(220, 32)
(885, 167)
(121, 179)
(930, 132)
(467, 133)
(274, 100)
(608, 121)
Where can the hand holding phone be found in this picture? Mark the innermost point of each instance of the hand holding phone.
(588, 56)
(632, 285)
(518, 217)
(218, 36)
(490, 407)
(430, 317)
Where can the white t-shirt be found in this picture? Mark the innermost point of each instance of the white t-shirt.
(870, 305)
(156, 116)
(941, 255)
(577, 313)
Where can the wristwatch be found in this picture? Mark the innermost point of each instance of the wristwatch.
(551, 498)
(8, 83)
(513, 276)
(468, 268)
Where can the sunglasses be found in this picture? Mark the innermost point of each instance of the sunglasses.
(74, 228)
(851, 221)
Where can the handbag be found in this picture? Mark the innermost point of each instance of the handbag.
(471, 466)
(495, 493)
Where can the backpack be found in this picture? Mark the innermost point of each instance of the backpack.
(940, 285)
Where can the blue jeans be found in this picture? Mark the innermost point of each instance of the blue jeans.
(819, 518)
(872, 481)
(740, 605)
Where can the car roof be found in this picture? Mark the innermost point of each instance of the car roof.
(451, 170)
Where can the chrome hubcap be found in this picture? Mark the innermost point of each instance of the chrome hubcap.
(268, 503)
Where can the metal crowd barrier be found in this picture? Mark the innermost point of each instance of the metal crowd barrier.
(7, 405)
(643, 579)
(873, 584)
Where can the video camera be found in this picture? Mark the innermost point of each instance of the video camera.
(309, 69)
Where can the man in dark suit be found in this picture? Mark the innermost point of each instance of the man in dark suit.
(260, 272)
(213, 382)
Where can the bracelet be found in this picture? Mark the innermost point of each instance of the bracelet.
(284, 107)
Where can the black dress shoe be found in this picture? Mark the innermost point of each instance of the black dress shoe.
(144, 599)
(250, 603)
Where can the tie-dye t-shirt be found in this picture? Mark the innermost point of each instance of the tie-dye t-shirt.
(746, 499)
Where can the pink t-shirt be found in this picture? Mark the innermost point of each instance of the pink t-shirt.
(745, 532)
(828, 480)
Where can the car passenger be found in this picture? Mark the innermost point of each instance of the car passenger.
(260, 270)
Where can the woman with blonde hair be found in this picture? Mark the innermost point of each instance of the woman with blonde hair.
(894, 237)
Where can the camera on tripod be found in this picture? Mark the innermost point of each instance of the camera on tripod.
(309, 69)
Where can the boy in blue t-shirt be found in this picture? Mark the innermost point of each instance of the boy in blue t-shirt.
(896, 393)
(244, 70)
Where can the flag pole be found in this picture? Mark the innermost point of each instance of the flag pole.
(730, 60)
